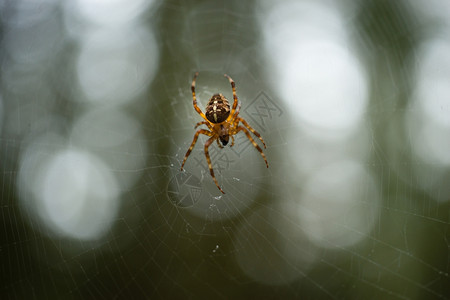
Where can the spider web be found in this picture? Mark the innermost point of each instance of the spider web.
(96, 111)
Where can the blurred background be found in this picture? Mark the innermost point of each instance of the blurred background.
(352, 99)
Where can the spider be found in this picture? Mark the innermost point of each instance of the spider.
(222, 124)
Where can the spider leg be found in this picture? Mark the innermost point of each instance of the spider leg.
(201, 123)
(232, 141)
(194, 98)
(235, 102)
(247, 133)
(200, 131)
(218, 144)
(208, 160)
(252, 130)
(236, 113)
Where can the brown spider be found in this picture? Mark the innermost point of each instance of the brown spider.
(222, 123)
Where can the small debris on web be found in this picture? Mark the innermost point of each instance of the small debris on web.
(217, 197)
(236, 179)
(217, 248)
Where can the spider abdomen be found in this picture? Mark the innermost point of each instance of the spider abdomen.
(217, 109)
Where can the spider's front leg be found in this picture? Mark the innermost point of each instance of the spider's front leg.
(200, 131)
(239, 119)
(218, 144)
(247, 133)
(208, 160)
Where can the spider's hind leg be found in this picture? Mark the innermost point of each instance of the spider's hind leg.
(203, 123)
(194, 98)
(235, 99)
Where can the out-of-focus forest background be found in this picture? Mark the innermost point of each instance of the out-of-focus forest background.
(352, 99)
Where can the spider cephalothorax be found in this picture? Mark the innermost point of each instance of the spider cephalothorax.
(222, 123)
